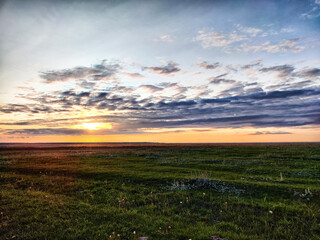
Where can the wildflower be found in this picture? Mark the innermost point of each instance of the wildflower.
(122, 202)
(180, 202)
(159, 228)
(169, 227)
(204, 194)
(270, 212)
(134, 232)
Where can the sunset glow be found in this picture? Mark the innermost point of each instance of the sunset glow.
(93, 126)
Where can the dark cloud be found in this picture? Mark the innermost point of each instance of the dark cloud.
(283, 94)
(216, 100)
(252, 65)
(282, 70)
(18, 137)
(220, 79)
(47, 131)
(251, 84)
(204, 121)
(103, 71)
(235, 89)
(175, 104)
(309, 73)
(268, 133)
(290, 85)
(16, 123)
(202, 130)
(31, 108)
(170, 68)
(233, 122)
(207, 65)
(10, 108)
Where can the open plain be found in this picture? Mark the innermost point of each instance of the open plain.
(163, 191)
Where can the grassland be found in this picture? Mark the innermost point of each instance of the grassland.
(161, 191)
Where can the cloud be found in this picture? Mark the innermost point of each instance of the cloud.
(290, 45)
(16, 123)
(48, 131)
(175, 89)
(29, 108)
(207, 65)
(170, 68)
(219, 80)
(216, 39)
(10, 108)
(133, 75)
(281, 70)
(97, 72)
(287, 30)
(18, 137)
(164, 38)
(283, 94)
(269, 133)
(253, 32)
(252, 65)
(151, 88)
(291, 85)
(309, 73)
(174, 104)
(312, 13)
(86, 84)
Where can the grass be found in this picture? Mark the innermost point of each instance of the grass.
(163, 192)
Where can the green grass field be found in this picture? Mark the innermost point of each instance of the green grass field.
(163, 192)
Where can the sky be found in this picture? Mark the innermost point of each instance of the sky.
(160, 71)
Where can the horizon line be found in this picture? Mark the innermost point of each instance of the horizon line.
(149, 142)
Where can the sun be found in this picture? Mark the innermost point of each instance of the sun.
(94, 126)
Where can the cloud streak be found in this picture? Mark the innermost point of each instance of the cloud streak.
(281, 70)
(170, 68)
(103, 71)
(209, 66)
(217, 39)
(270, 133)
(290, 45)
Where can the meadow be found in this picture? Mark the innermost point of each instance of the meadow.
(235, 191)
